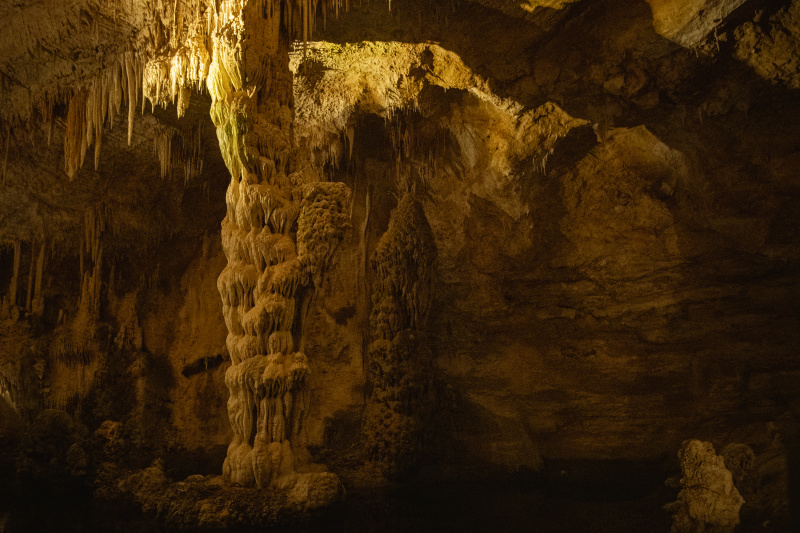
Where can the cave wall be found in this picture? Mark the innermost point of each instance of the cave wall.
(616, 272)
(613, 199)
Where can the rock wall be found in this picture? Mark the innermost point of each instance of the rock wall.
(600, 253)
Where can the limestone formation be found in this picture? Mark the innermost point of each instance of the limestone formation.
(740, 460)
(283, 224)
(708, 500)
(399, 359)
(280, 231)
(772, 47)
(688, 22)
(608, 190)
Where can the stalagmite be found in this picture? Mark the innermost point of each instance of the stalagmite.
(399, 360)
(708, 500)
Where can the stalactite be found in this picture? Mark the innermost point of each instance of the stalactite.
(80, 271)
(183, 100)
(191, 152)
(75, 135)
(5, 153)
(31, 273)
(94, 226)
(90, 108)
(162, 148)
(132, 89)
(38, 299)
(111, 275)
(12, 289)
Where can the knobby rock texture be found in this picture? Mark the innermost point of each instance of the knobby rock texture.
(241, 238)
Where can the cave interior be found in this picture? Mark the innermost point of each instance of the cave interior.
(440, 265)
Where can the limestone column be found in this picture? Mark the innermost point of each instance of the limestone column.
(282, 226)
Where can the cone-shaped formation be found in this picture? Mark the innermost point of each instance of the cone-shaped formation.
(395, 416)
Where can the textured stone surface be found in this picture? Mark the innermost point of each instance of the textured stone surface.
(688, 22)
(770, 45)
(708, 498)
(615, 218)
(208, 503)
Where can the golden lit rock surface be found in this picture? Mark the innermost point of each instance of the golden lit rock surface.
(708, 498)
(688, 22)
(220, 223)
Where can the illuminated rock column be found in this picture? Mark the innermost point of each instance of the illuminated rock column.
(281, 227)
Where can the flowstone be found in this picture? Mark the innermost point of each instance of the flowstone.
(211, 503)
(281, 228)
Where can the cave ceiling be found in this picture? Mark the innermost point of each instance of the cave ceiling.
(593, 59)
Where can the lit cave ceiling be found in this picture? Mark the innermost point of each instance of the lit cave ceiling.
(456, 237)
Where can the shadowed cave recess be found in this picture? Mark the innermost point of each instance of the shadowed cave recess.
(420, 265)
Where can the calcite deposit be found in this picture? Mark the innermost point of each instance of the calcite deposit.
(399, 407)
(708, 498)
(280, 230)
(526, 248)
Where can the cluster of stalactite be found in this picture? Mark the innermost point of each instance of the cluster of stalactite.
(34, 297)
(420, 152)
(23, 382)
(74, 351)
(176, 62)
(397, 411)
(6, 392)
(174, 53)
(91, 267)
(91, 107)
(179, 148)
(281, 228)
(96, 106)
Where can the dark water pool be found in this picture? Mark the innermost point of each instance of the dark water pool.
(605, 500)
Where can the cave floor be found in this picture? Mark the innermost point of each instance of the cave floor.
(605, 496)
